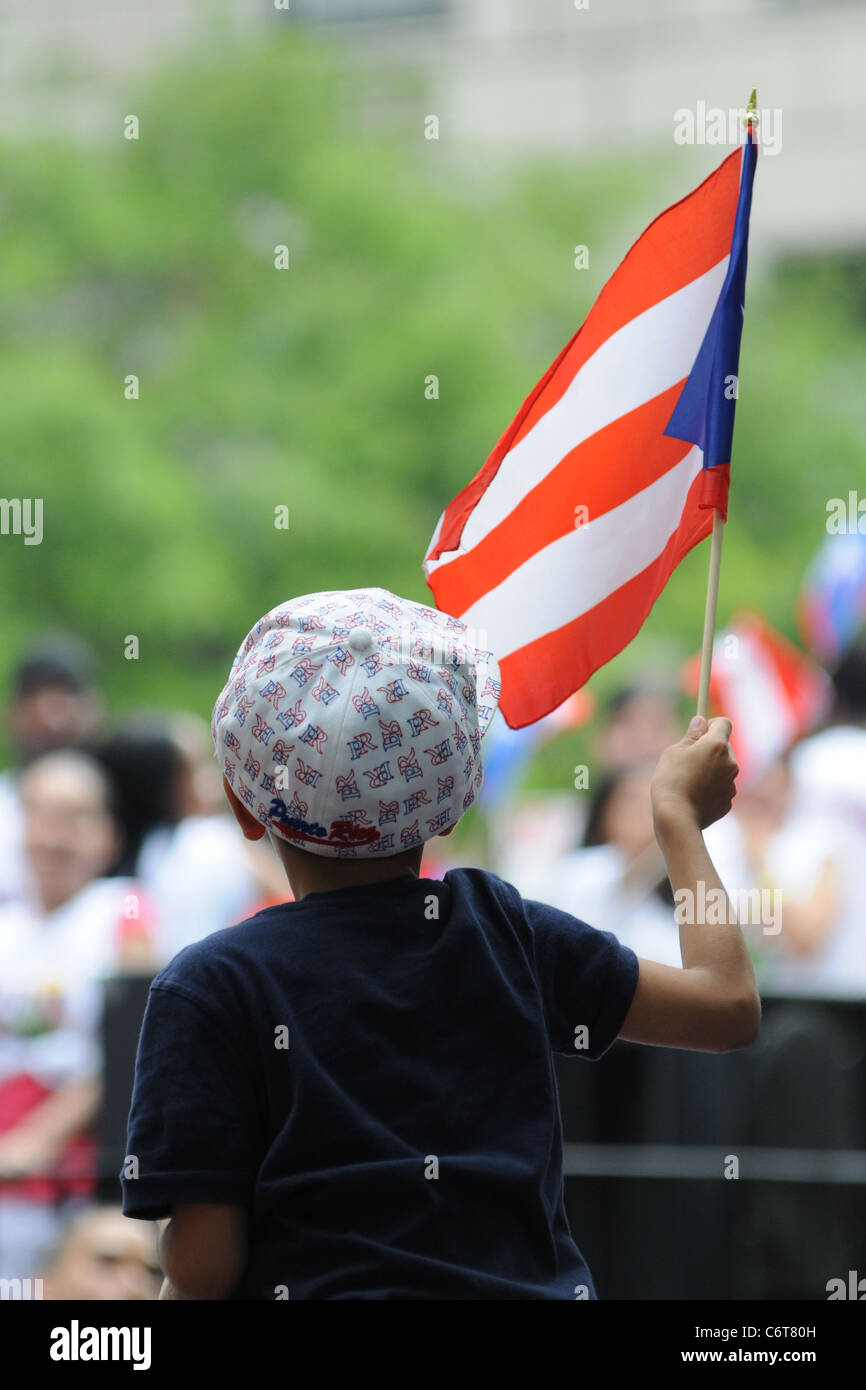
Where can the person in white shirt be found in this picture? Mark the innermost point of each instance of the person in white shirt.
(615, 879)
(821, 848)
(53, 703)
(55, 949)
(829, 769)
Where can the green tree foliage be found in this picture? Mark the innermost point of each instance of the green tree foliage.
(305, 387)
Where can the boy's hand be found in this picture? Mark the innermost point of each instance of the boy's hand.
(695, 778)
(712, 1004)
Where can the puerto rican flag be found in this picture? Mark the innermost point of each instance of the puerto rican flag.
(611, 470)
(769, 690)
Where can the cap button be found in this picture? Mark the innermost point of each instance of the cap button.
(361, 639)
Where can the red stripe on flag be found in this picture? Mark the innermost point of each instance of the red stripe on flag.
(684, 242)
(546, 671)
(599, 474)
(715, 488)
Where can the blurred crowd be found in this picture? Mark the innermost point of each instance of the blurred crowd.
(789, 853)
(117, 850)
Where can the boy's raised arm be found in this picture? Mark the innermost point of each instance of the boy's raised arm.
(712, 1004)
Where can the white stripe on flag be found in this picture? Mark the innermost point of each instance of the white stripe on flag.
(571, 575)
(648, 355)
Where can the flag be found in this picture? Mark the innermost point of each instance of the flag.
(769, 690)
(610, 471)
(832, 603)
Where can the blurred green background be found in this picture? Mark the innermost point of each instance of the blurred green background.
(305, 387)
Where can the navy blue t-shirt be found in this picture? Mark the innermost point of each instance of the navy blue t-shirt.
(369, 1072)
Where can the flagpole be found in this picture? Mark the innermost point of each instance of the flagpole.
(710, 612)
(716, 548)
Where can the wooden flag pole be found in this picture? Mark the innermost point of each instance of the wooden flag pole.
(710, 613)
(716, 549)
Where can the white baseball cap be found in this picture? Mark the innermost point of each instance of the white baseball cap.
(351, 722)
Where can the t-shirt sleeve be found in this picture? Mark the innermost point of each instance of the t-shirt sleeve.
(587, 981)
(194, 1133)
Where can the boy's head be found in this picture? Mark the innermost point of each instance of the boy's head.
(351, 723)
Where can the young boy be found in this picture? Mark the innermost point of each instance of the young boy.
(352, 1096)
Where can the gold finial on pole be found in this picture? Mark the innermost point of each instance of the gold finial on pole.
(751, 116)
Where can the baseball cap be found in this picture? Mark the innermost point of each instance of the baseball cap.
(351, 722)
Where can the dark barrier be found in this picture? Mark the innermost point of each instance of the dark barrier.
(125, 999)
(650, 1134)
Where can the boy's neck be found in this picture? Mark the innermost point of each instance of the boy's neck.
(313, 873)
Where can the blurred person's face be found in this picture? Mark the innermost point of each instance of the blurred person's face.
(199, 780)
(208, 788)
(108, 1256)
(198, 787)
(69, 836)
(627, 821)
(639, 732)
(52, 718)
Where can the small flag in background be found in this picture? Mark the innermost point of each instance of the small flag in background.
(832, 604)
(611, 469)
(769, 690)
